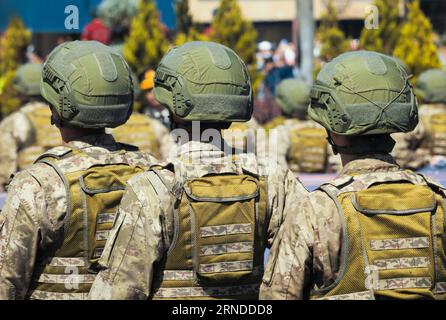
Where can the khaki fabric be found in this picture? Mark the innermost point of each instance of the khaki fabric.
(24, 135)
(145, 133)
(58, 214)
(156, 233)
(313, 253)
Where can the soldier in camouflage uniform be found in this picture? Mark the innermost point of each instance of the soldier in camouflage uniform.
(431, 90)
(375, 232)
(197, 226)
(303, 146)
(58, 212)
(148, 133)
(27, 133)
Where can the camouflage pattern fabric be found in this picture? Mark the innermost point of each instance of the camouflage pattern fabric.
(145, 224)
(285, 140)
(16, 133)
(307, 254)
(408, 151)
(33, 217)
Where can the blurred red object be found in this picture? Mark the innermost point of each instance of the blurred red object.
(98, 31)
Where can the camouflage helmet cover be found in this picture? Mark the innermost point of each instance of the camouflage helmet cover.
(364, 93)
(88, 84)
(204, 81)
(293, 97)
(27, 79)
(431, 86)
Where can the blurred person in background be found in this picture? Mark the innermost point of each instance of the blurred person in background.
(27, 133)
(303, 143)
(431, 93)
(146, 132)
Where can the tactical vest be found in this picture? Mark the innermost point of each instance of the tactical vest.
(433, 117)
(308, 150)
(46, 136)
(393, 237)
(138, 131)
(219, 237)
(438, 134)
(94, 191)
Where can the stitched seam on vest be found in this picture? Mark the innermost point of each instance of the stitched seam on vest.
(229, 266)
(404, 283)
(402, 263)
(66, 262)
(226, 229)
(85, 229)
(399, 243)
(66, 278)
(194, 253)
(207, 291)
(45, 295)
(364, 295)
(434, 244)
(217, 249)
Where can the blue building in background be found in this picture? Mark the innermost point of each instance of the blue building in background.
(48, 16)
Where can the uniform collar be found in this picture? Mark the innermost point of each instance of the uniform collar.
(371, 163)
(97, 140)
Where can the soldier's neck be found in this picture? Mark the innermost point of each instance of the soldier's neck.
(347, 158)
(72, 134)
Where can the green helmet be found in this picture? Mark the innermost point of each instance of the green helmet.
(364, 93)
(293, 97)
(27, 79)
(204, 81)
(431, 86)
(88, 84)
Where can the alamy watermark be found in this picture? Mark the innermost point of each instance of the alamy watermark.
(371, 20)
(72, 18)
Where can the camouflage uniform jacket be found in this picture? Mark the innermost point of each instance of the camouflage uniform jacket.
(307, 253)
(33, 216)
(145, 222)
(16, 133)
(408, 151)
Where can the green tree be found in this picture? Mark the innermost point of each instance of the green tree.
(384, 38)
(416, 46)
(232, 30)
(146, 43)
(187, 30)
(332, 38)
(184, 18)
(12, 55)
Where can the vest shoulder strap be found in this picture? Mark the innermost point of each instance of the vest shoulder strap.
(55, 153)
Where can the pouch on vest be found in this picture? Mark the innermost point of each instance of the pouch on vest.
(438, 138)
(102, 191)
(308, 149)
(223, 216)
